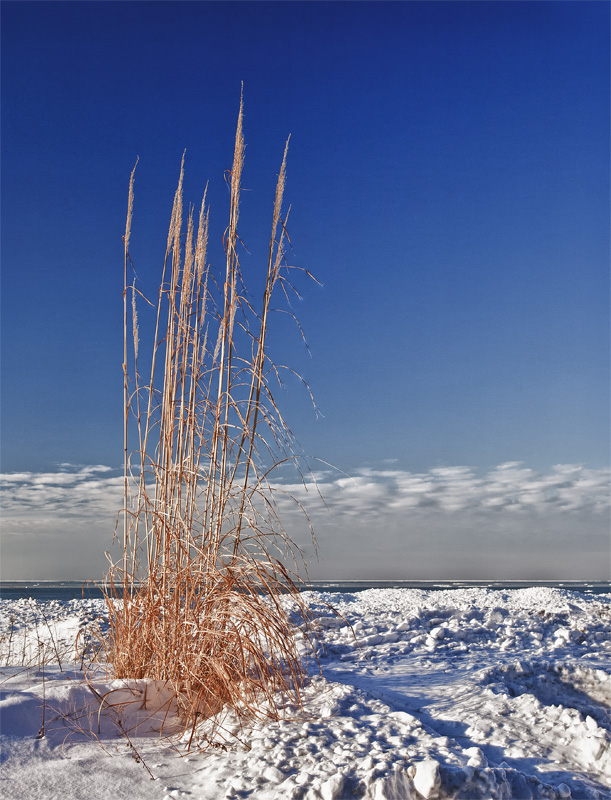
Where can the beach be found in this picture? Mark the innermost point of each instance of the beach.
(413, 693)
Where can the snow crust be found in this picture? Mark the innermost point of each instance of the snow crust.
(466, 693)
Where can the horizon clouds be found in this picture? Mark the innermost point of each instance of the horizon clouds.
(447, 519)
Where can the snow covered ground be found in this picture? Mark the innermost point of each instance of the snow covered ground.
(465, 693)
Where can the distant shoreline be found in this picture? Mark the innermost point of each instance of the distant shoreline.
(45, 590)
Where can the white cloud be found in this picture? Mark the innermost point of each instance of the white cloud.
(510, 487)
(50, 515)
(82, 492)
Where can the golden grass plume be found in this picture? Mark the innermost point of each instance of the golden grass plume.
(206, 564)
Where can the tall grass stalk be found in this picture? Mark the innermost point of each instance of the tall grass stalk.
(206, 563)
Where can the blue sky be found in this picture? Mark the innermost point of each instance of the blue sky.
(449, 180)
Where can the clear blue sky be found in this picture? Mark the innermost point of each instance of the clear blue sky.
(449, 181)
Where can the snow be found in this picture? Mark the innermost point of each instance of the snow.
(464, 693)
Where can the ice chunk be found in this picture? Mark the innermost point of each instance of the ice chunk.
(273, 775)
(333, 788)
(404, 718)
(427, 779)
(397, 786)
(476, 758)
(592, 748)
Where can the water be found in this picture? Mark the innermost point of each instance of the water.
(49, 590)
(586, 587)
(74, 590)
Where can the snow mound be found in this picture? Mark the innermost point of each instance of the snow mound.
(473, 694)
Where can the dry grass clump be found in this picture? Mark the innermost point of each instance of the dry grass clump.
(204, 566)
